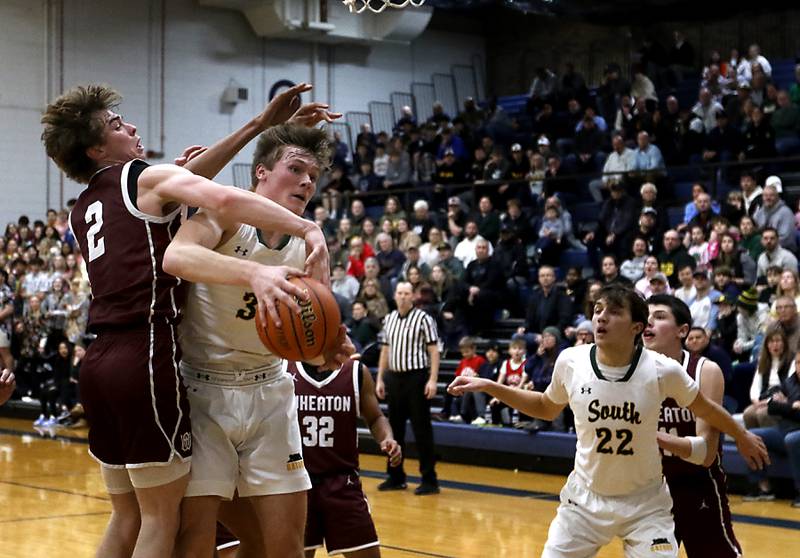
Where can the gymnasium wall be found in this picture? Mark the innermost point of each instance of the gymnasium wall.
(49, 45)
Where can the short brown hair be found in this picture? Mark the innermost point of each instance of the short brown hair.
(272, 143)
(72, 125)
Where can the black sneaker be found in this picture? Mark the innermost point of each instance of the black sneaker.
(389, 484)
(425, 489)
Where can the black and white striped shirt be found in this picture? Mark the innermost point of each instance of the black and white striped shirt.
(408, 338)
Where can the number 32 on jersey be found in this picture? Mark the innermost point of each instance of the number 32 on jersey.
(318, 431)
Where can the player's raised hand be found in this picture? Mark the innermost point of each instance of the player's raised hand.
(7, 385)
(311, 114)
(282, 106)
(318, 261)
(338, 353)
(464, 384)
(190, 153)
(752, 448)
(391, 448)
(271, 284)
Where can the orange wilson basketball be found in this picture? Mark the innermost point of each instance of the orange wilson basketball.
(304, 336)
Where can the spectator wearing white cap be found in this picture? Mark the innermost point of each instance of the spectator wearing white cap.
(776, 214)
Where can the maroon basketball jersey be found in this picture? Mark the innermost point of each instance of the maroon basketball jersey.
(328, 411)
(679, 421)
(123, 249)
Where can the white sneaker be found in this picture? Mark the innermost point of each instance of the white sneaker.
(480, 421)
(456, 418)
(40, 421)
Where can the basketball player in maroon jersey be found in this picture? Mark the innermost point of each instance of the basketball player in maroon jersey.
(690, 446)
(123, 221)
(328, 407)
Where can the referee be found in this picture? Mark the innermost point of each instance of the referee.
(407, 373)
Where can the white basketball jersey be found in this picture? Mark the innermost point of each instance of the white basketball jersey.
(218, 331)
(616, 421)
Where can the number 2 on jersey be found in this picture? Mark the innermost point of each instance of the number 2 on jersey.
(96, 244)
(605, 441)
(318, 431)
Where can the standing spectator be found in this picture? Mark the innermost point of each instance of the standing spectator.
(488, 220)
(407, 374)
(543, 89)
(681, 57)
(774, 254)
(484, 285)
(744, 70)
(775, 214)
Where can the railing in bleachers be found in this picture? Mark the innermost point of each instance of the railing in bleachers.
(382, 115)
(466, 82)
(445, 90)
(424, 97)
(355, 119)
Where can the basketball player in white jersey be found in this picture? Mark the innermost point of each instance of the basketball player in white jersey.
(244, 421)
(615, 389)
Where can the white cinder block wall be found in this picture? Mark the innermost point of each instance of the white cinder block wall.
(119, 42)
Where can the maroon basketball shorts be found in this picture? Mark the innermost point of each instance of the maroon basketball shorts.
(338, 515)
(134, 398)
(702, 515)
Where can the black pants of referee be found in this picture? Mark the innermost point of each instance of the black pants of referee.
(406, 398)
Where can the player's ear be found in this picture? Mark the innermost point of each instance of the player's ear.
(638, 328)
(683, 332)
(261, 171)
(95, 153)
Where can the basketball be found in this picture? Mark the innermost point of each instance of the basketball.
(303, 337)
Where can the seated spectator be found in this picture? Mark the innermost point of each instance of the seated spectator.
(633, 267)
(512, 374)
(703, 215)
(487, 219)
(448, 261)
(407, 120)
(619, 161)
(723, 282)
(456, 217)
(647, 158)
(406, 238)
(398, 170)
(744, 70)
(451, 142)
(787, 320)
(344, 285)
(648, 229)
(588, 146)
(557, 181)
(750, 240)
(422, 220)
(706, 110)
(584, 333)
(439, 116)
(322, 218)
(609, 270)
(373, 299)
(698, 343)
(786, 123)
(783, 407)
(539, 371)
(466, 408)
(516, 221)
(547, 306)
(543, 89)
(575, 289)
(390, 259)
(413, 260)
(361, 327)
(703, 309)
(686, 292)
(465, 250)
(617, 220)
(788, 287)
(357, 256)
(641, 86)
(366, 180)
(775, 214)
(736, 259)
(698, 248)
(472, 116)
(759, 137)
(750, 318)
(773, 254)
(357, 215)
(774, 365)
(519, 167)
(369, 233)
(691, 209)
(429, 251)
(551, 232)
(649, 270)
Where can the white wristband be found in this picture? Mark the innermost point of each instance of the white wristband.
(699, 450)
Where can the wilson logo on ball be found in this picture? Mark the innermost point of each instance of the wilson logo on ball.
(308, 317)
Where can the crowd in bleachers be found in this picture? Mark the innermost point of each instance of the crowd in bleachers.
(494, 214)
(44, 306)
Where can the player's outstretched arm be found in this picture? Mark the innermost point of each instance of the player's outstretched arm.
(279, 109)
(532, 403)
(750, 446)
(170, 184)
(191, 256)
(7, 385)
(378, 424)
(700, 449)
